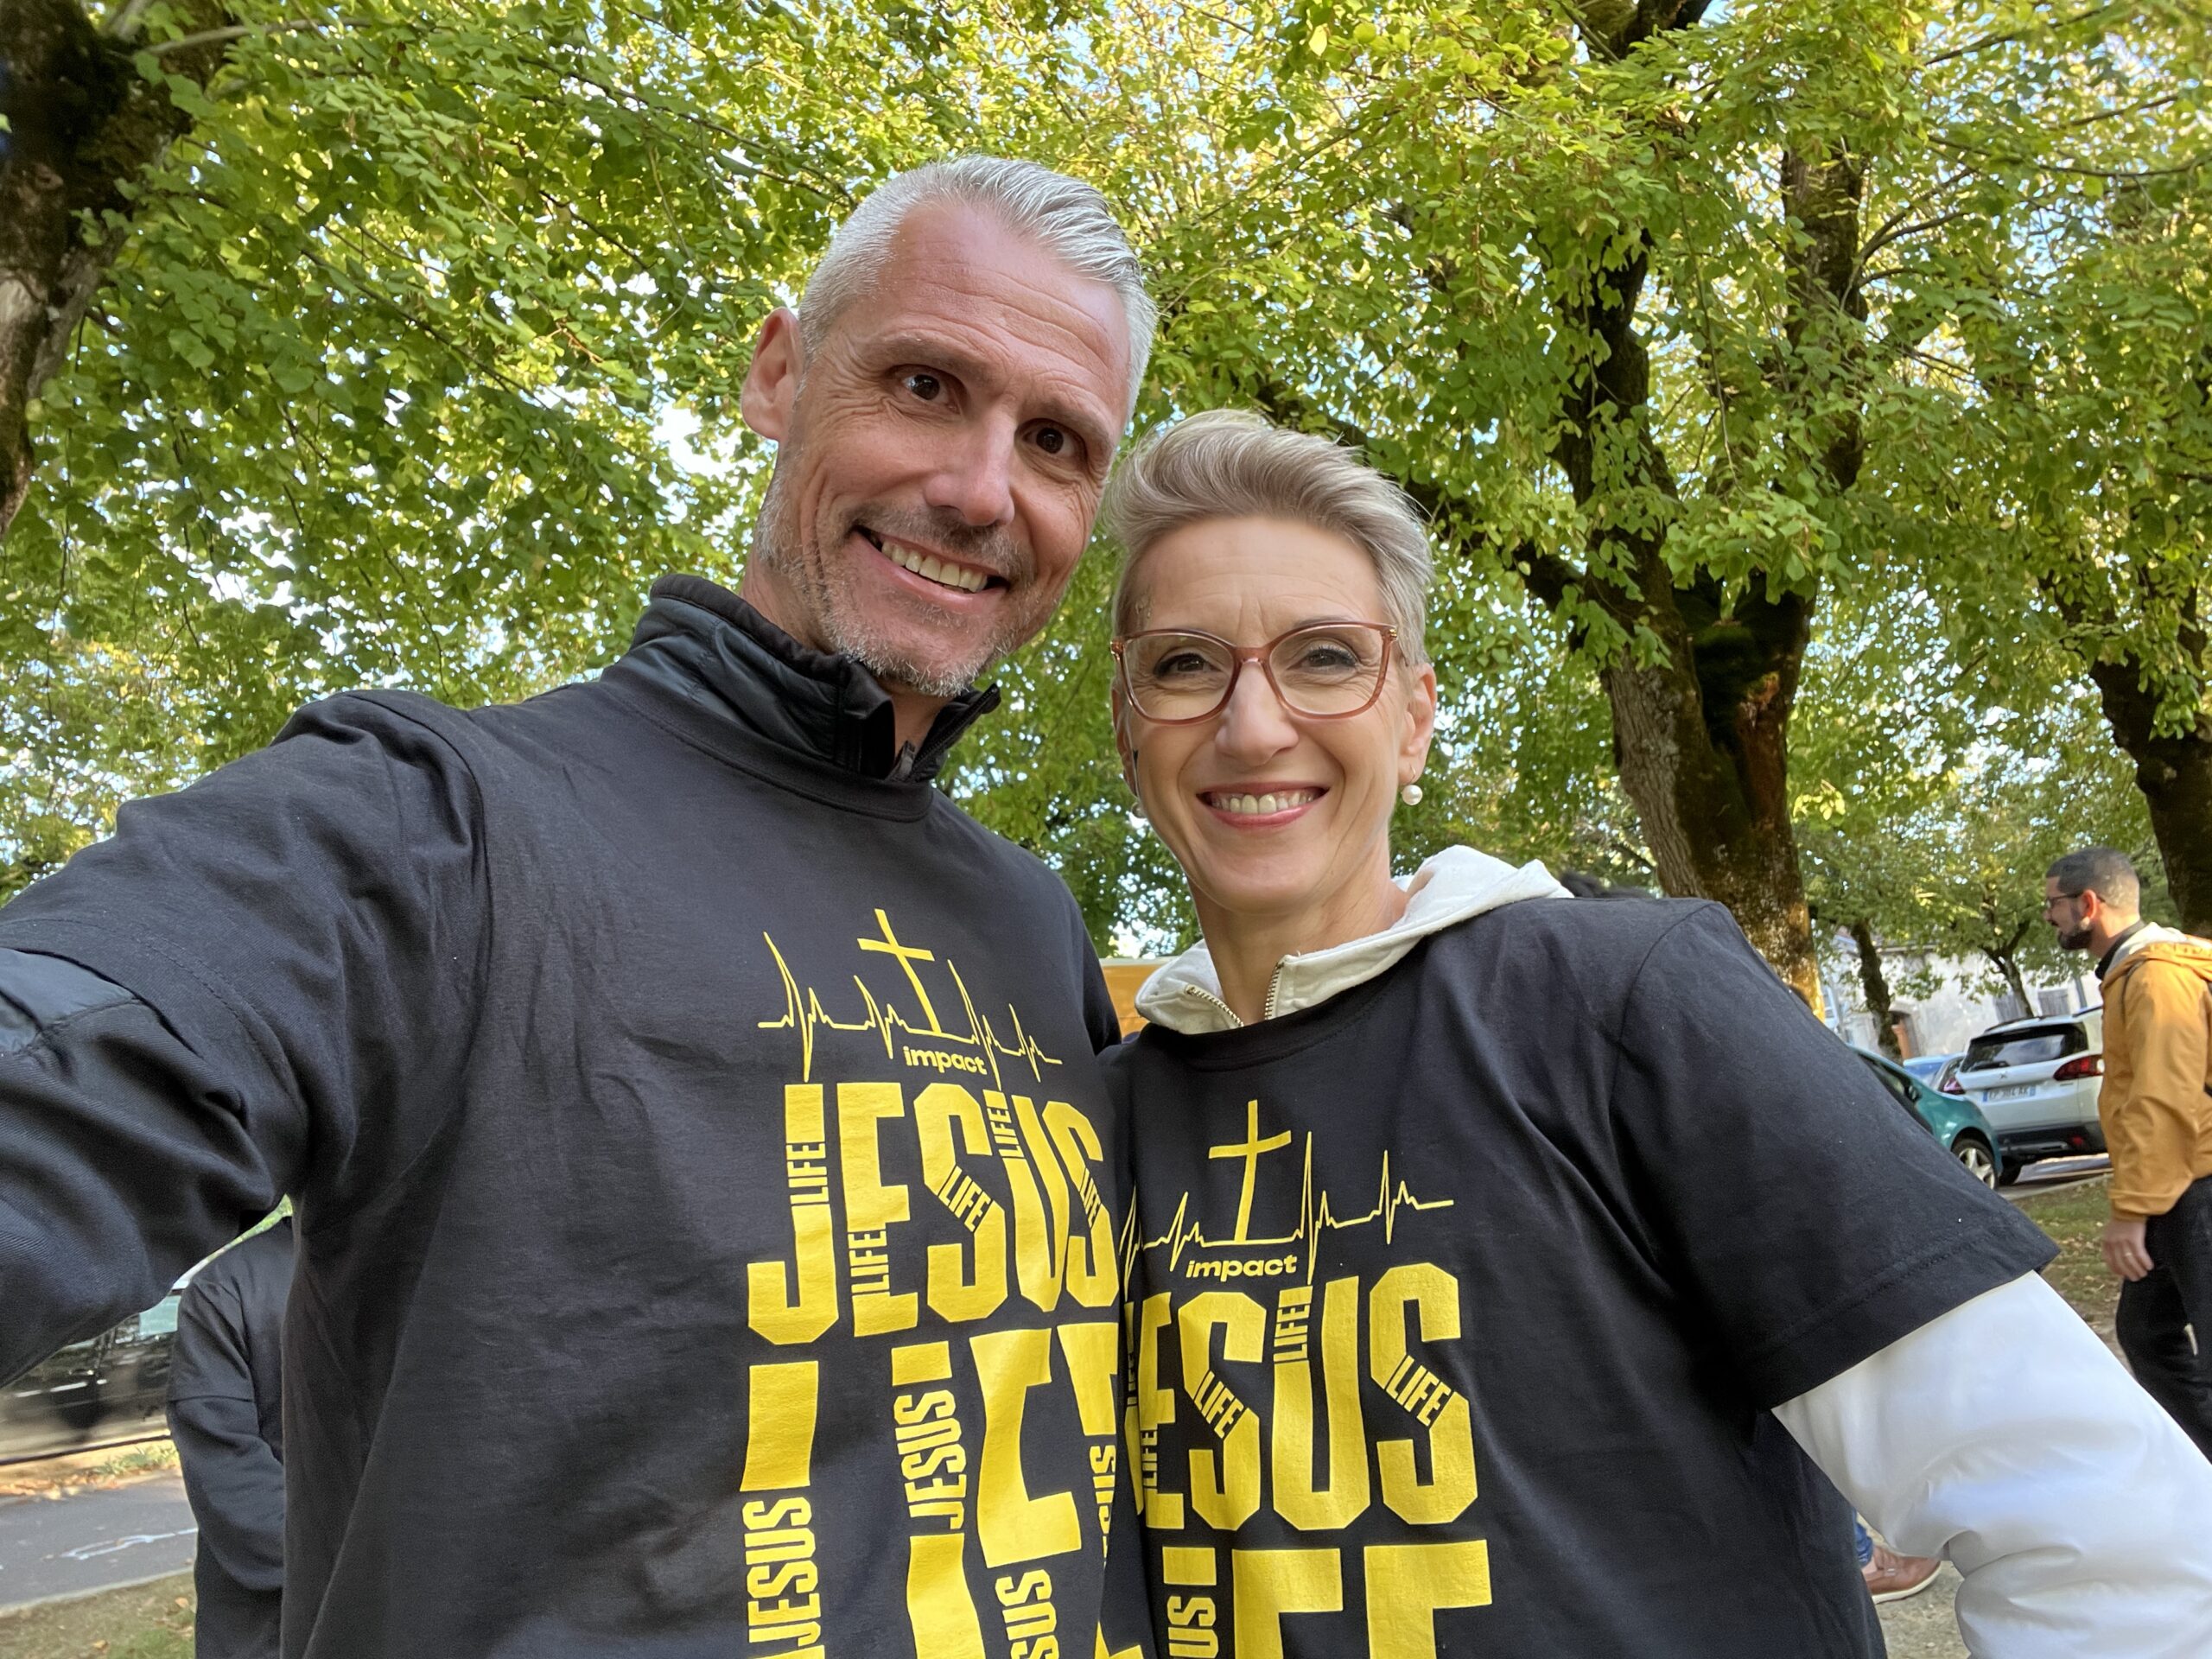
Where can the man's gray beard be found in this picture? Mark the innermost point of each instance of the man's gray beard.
(771, 539)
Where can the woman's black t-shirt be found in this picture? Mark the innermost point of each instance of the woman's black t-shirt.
(1457, 1302)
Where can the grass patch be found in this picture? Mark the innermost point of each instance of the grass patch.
(2074, 1219)
(150, 1621)
(82, 1470)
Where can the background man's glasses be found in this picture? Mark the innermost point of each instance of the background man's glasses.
(1325, 670)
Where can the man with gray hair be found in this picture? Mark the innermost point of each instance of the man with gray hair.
(2156, 1106)
(706, 1203)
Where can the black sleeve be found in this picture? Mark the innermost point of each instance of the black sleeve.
(1099, 1016)
(1812, 1222)
(234, 1481)
(229, 999)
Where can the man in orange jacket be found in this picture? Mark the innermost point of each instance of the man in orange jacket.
(2157, 1109)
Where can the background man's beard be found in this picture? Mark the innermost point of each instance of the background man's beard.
(775, 542)
(2073, 939)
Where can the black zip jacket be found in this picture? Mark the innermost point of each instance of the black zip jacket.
(705, 1219)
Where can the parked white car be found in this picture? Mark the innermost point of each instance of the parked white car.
(2036, 1080)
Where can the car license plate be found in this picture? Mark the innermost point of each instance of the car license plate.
(2011, 1092)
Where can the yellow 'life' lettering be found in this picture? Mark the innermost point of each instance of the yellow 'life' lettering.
(1152, 1407)
(780, 1430)
(1407, 1583)
(1270, 1584)
(1039, 1234)
(1090, 1350)
(1093, 1277)
(1012, 1525)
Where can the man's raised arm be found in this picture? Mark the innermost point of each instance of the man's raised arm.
(226, 1002)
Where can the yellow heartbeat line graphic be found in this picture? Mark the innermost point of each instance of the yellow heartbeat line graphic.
(1315, 1217)
(804, 1014)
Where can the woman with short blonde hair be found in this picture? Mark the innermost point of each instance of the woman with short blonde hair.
(1507, 1268)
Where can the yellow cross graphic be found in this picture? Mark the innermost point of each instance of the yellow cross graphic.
(1249, 1150)
(907, 956)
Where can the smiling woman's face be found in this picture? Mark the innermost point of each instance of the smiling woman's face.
(1324, 837)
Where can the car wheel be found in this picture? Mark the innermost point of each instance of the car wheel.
(2008, 1172)
(1981, 1163)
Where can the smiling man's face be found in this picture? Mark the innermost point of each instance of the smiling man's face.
(941, 453)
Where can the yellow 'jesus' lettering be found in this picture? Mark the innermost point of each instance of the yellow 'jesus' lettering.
(953, 1294)
(1297, 1499)
(771, 1307)
(871, 1208)
(1093, 1278)
(1229, 1501)
(1152, 1407)
(1434, 1295)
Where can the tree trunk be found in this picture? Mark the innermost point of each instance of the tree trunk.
(82, 123)
(2008, 965)
(1876, 986)
(1701, 739)
(2174, 774)
(1701, 744)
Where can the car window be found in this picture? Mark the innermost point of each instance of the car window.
(1897, 1085)
(2028, 1047)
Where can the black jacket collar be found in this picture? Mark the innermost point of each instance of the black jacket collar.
(707, 644)
(2104, 962)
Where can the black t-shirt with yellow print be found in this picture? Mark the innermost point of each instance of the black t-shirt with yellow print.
(1457, 1303)
(707, 1199)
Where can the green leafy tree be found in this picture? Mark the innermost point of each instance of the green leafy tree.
(357, 368)
(1634, 297)
(346, 347)
(2092, 379)
(1956, 867)
(84, 733)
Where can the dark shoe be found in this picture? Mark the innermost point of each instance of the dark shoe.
(1892, 1577)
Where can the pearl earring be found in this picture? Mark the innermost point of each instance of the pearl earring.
(1410, 794)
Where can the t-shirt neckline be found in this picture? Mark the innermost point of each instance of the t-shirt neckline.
(1289, 1033)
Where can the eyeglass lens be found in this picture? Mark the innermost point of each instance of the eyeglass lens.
(1328, 669)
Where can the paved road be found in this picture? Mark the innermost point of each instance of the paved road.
(65, 1547)
(2054, 1173)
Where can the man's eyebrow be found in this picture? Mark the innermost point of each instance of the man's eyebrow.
(1099, 433)
(931, 349)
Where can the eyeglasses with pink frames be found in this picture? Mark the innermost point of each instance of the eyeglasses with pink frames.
(1322, 670)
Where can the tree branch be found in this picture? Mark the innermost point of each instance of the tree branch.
(2004, 37)
(224, 37)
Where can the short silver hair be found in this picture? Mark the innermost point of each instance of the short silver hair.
(1230, 463)
(1065, 216)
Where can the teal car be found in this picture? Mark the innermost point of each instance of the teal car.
(1954, 1120)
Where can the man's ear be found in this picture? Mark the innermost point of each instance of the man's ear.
(1420, 725)
(771, 393)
